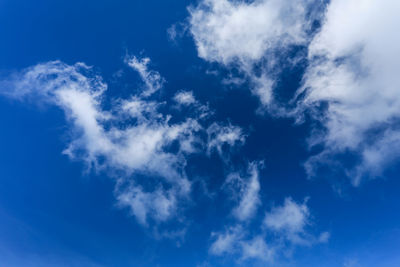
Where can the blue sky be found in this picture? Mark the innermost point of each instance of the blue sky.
(199, 133)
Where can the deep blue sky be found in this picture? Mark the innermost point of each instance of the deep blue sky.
(53, 213)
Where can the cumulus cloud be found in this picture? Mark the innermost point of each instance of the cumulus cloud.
(225, 31)
(353, 72)
(128, 139)
(250, 35)
(185, 98)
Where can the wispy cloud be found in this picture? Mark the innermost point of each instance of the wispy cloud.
(160, 204)
(282, 228)
(248, 195)
(128, 140)
(225, 243)
(151, 78)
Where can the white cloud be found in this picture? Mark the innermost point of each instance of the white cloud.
(172, 32)
(103, 142)
(246, 33)
(257, 248)
(151, 78)
(291, 221)
(176, 31)
(225, 31)
(128, 139)
(351, 263)
(354, 62)
(234, 241)
(282, 228)
(226, 243)
(291, 217)
(141, 110)
(352, 69)
(248, 195)
(220, 135)
(185, 98)
(263, 87)
(160, 204)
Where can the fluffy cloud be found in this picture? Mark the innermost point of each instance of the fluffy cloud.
(131, 138)
(290, 221)
(185, 98)
(250, 35)
(283, 228)
(226, 31)
(160, 204)
(257, 248)
(290, 217)
(353, 71)
(234, 241)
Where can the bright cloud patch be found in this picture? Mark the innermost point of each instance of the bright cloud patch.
(226, 31)
(185, 98)
(243, 34)
(290, 221)
(247, 190)
(283, 228)
(152, 79)
(354, 62)
(131, 138)
(221, 137)
(160, 205)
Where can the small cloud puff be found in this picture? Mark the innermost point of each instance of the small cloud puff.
(185, 98)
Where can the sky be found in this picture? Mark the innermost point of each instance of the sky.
(199, 133)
